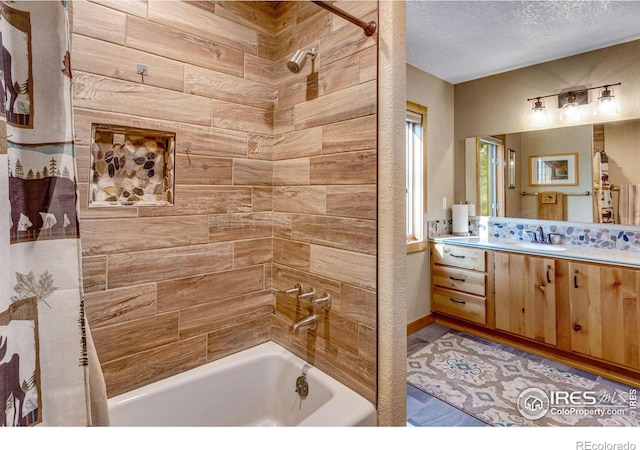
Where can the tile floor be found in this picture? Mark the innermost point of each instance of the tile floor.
(424, 410)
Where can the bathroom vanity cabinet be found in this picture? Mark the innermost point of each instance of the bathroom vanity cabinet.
(582, 313)
(605, 312)
(458, 277)
(525, 296)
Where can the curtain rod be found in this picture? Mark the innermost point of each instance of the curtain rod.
(369, 28)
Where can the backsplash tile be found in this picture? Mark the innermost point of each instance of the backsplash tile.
(443, 227)
(603, 236)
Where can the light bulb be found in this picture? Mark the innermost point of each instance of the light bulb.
(606, 104)
(538, 113)
(570, 110)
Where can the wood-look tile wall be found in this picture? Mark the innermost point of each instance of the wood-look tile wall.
(275, 184)
(324, 197)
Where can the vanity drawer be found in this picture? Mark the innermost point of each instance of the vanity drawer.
(459, 279)
(455, 255)
(464, 306)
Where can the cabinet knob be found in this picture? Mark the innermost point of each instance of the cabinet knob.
(616, 283)
(577, 327)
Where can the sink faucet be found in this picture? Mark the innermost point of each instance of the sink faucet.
(550, 237)
(538, 236)
(534, 235)
(539, 230)
(306, 323)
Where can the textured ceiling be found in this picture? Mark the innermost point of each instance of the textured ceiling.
(459, 41)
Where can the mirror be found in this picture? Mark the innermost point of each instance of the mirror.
(552, 174)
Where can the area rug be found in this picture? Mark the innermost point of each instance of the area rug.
(503, 389)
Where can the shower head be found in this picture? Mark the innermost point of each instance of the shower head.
(299, 58)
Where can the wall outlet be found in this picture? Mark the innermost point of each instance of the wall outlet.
(444, 202)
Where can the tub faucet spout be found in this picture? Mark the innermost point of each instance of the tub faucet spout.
(306, 323)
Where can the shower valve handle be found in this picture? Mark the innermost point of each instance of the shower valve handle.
(297, 290)
(323, 302)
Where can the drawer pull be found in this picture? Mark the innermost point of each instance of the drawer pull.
(459, 302)
(577, 327)
(575, 278)
(457, 279)
(548, 278)
(457, 256)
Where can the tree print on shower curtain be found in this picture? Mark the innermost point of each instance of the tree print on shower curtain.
(42, 340)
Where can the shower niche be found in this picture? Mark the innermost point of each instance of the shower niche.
(131, 166)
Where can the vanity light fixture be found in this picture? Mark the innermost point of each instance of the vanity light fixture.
(539, 113)
(606, 103)
(571, 104)
(570, 101)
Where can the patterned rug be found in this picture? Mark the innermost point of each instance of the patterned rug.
(503, 389)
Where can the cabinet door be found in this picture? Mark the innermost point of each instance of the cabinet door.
(525, 296)
(605, 313)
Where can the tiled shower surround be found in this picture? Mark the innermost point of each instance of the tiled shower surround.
(604, 236)
(275, 184)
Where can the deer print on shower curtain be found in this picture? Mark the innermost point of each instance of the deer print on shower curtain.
(10, 385)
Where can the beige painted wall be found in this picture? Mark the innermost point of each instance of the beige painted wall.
(556, 141)
(622, 145)
(437, 96)
(513, 197)
(497, 104)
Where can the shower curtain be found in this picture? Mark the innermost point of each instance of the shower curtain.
(43, 351)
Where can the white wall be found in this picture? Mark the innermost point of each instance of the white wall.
(437, 96)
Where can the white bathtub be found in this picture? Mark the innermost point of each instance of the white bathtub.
(255, 387)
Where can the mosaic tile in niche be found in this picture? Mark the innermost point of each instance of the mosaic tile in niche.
(131, 167)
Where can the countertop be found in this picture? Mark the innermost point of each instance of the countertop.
(574, 252)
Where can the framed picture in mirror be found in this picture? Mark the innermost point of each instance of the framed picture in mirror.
(511, 169)
(553, 170)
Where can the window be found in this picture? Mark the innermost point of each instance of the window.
(416, 141)
(488, 154)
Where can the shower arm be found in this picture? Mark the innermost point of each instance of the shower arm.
(368, 27)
